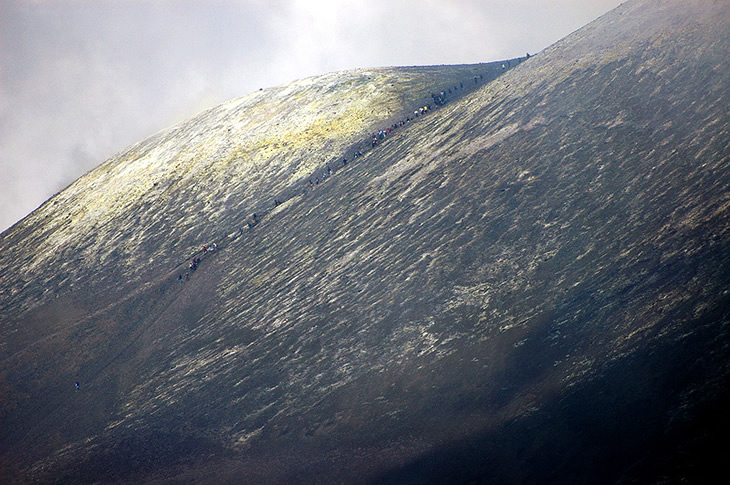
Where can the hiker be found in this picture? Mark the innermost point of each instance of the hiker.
(77, 385)
(187, 276)
(179, 278)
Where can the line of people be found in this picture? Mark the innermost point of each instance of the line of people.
(439, 99)
(195, 262)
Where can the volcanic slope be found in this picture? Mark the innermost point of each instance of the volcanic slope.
(528, 284)
(90, 275)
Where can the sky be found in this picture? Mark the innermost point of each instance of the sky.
(80, 80)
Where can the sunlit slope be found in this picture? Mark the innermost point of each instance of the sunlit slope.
(156, 201)
(529, 284)
(88, 271)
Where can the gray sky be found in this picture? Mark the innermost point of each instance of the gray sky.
(81, 80)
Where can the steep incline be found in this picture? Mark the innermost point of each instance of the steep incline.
(86, 274)
(158, 200)
(529, 284)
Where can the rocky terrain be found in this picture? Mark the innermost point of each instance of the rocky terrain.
(527, 283)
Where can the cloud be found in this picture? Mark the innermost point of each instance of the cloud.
(82, 79)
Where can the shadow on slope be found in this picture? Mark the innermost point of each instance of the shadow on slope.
(631, 424)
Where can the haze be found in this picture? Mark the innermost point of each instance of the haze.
(81, 80)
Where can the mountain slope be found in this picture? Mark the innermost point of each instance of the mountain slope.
(527, 284)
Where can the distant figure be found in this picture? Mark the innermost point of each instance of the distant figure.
(187, 276)
(78, 386)
(528, 55)
(180, 278)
